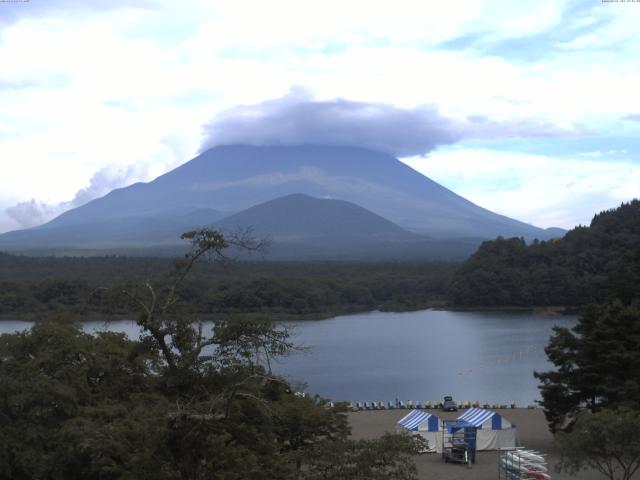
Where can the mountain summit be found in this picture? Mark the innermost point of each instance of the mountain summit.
(300, 216)
(298, 226)
(226, 180)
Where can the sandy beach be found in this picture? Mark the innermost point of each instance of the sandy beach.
(532, 431)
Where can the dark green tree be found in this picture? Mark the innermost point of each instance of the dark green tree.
(386, 458)
(588, 265)
(597, 364)
(75, 406)
(607, 441)
(178, 403)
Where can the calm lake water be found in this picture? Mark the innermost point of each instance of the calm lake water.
(484, 356)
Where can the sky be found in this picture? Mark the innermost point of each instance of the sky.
(529, 109)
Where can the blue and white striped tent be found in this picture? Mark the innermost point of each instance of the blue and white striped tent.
(421, 423)
(481, 418)
(494, 431)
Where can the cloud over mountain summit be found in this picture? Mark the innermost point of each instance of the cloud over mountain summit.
(298, 119)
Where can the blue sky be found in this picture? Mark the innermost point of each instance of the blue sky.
(96, 95)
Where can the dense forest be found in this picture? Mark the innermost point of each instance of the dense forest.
(588, 265)
(177, 403)
(36, 287)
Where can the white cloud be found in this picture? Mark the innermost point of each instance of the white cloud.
(33, 213)
(543, 190)
(26, 214)
(84, 87)
(599, 153)
(241, 24)
(299, 119)
(20, 10)
(582, 41)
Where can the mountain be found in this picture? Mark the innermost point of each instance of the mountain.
(299, 216)
(137, 230)
(236, 177)
(302, 227)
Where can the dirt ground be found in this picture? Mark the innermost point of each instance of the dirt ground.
(532, 432)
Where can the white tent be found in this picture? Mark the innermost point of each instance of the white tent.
(494, 431)
(421, 423)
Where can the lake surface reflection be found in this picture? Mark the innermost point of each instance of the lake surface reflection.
(484, 356)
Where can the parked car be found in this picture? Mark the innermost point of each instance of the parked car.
(449, 405)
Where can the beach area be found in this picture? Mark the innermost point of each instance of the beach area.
(532, 432)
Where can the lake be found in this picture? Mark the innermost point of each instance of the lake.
(423, 355)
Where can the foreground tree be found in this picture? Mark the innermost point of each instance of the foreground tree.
(607, 441)
(388, 457)
(597, 364)
(74, 406)
(179, 403)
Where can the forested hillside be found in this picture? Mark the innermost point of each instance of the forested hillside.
(35, 287)
(588, 265)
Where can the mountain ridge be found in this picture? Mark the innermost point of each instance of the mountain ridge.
(230, 179)
(301, 215)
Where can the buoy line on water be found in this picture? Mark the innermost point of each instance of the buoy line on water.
(515, 356)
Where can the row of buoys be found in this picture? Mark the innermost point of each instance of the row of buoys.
(504, 360)
(427, 404)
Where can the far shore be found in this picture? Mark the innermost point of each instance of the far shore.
(542, 310)
(289, 316)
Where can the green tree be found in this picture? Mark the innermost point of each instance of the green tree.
(73, 403)
(607, 441)
(178, 403)
(386, 458)
(588, 265)
(597, 363)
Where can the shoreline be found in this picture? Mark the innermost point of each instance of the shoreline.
(533, 433)
(543, 310)
(303, 317)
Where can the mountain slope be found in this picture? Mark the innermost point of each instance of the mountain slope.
(138, 230)
(302, 227)
(300, 216)
(234, 178)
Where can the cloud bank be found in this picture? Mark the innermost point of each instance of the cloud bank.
(298, 119)
(32, 213)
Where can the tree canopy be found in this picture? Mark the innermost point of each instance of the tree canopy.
(177, 403)
(38, 287)
(588, 265)
(607, 441)
(598, 364)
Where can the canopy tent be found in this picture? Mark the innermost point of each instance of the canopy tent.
(458, 441)
(421, 423)
(494, 431)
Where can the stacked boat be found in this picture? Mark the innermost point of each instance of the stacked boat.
(522, 464)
